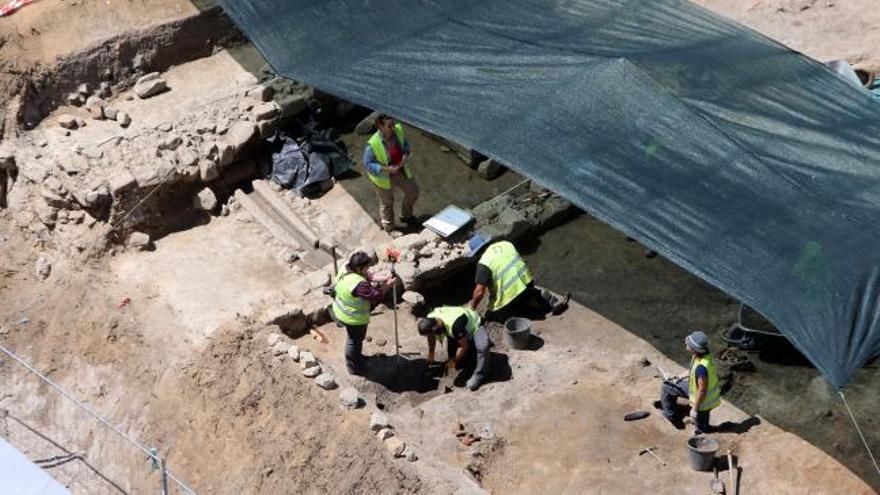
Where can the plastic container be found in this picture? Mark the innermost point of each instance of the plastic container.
(519, 330)
(701, 453)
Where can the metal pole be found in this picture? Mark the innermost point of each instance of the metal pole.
(164, 476)
(335, 269)
(394, 305)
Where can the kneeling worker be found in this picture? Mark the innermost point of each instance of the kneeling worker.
(462, 328)
(700, 385)
(501, 271)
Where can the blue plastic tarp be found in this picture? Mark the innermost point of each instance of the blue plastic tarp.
(744, 162)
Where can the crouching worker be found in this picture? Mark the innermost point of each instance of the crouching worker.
(353, 293)
(461, 327)
(700, 385)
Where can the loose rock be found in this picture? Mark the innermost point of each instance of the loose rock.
(326, 381)
(266, 111)
(43, 268)
(307, 359)
(490, 169)
(410, 454)
(205, 200)
(350, 398)
(395, 446)
(67, 121)
(312, 371)
(138, 240)
(385, 434)
(413, 298)
(150, 85)
(293, 352)
(123, 118)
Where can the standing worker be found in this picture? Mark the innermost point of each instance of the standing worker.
(385, 159)
(502, 272)
(700, 385)
(461, 327)
(353, 293)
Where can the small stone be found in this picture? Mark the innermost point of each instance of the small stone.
(43, 268)
(105, 90)
(138, 240)
(413, 298)
(262, 93)
(208, 170)
(350, 398)
(150, 85)
(326, 381)
(312, 371)
(293, 352)
(490, 169)
(409, 454)
(75, 99)
(165, 127)
(83, 89)
(307, 360)
(384, 434)
(205, 200)
(395, 446)
(378, 421)
(273, 339)
(380, 342)
(124, 119)
(111, 113)
(68, 121)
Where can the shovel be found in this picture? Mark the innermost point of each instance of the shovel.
(717, 484)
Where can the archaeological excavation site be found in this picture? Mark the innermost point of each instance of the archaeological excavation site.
(353, 247)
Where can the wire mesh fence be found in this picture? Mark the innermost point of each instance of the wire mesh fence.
(81, 449)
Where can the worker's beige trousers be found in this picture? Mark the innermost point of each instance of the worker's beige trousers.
(386, 199)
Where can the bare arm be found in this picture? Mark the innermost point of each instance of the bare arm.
(432, 343)
(479, 292)
(462, 349)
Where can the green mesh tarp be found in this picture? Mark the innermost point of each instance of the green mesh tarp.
(747, 164)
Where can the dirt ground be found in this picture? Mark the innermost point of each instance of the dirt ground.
(166, 343)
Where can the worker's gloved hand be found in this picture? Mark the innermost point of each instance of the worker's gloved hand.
(451, 364)
(694, 415)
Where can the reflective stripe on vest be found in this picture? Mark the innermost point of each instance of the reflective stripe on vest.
(348, 308)
(510, 275)
(448, 315)
(713, 391)
(383, 180)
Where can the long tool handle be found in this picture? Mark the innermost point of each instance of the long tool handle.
(394, 305)
(732, 470)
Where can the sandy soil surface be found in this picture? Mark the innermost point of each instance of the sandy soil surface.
(822, 29)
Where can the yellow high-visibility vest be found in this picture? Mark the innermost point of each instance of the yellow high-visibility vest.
(348, 308)
(448, 315)
(510, 276)
(713, 392)
(382, 179)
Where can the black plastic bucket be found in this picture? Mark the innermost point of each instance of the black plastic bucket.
(701, 452)
(519, 330)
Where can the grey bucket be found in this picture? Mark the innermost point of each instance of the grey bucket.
(701, 452)
(519, 330)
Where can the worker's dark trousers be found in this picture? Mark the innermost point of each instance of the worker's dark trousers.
(533, 303)
(354, 345)
(479, 349)
(672, 390)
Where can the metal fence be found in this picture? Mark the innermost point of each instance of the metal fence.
(80, 448)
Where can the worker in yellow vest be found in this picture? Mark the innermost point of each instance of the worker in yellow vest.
(386, 157)
(353, 293)
(699, 385)
(502, 272)
(465, 338)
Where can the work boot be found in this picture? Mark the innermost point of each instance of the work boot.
(560, 307)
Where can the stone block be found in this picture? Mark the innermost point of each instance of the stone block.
(490, 169)
(122, 182)
(266, 111)
(409, 242)
(307, 360)
(365, 127)
(110, 113)
(293, 352)
(240, 134)
(413, 298)
(384, 434)
(124, 119)
(326, 381)
(312, 371)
